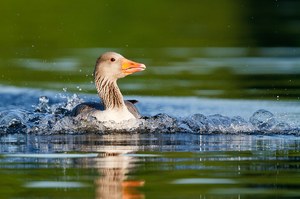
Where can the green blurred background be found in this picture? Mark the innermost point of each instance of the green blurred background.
(205, 48)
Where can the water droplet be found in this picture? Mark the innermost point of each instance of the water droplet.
(43, 105)
(263, 119)
(78, 87)
(44, 99)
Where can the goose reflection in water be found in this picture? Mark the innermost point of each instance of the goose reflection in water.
(114, 167)
(113, 182)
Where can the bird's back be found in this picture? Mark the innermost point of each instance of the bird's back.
(88, 107)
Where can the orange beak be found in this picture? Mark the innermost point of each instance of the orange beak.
(129, 67)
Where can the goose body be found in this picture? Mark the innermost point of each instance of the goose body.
(108, 69)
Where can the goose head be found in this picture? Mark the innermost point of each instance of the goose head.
(113, 66)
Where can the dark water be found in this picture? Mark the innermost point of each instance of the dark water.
(149, 166)
(220, 97)
(238, 73)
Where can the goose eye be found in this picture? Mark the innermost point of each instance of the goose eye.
(112, 59)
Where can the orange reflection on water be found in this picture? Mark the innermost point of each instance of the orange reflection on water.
(113, 182)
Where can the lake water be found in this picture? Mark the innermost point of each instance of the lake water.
(149, 166)
(187, 146)
(220, 99)
(161, 91)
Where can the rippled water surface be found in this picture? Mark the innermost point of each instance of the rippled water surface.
(219, 99)
(191, 142)
(149, 165)
(218, 72)
(184, 147)
(190, 146)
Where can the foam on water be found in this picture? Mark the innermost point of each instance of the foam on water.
(50, 116)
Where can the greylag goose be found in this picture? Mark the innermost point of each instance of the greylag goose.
(109, 67)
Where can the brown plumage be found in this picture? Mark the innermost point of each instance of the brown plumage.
(108, 69)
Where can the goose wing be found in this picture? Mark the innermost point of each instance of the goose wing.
(88, 107)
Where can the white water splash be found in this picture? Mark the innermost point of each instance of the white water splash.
(49, 117)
